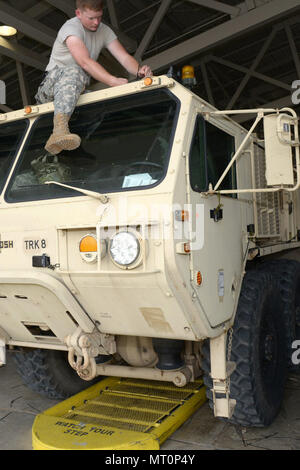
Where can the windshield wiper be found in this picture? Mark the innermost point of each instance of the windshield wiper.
(104, 199)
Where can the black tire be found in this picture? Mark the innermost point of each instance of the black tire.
(288, 275)
(258, 349)
(48, 373)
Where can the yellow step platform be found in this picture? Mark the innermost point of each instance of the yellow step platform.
(117, 414)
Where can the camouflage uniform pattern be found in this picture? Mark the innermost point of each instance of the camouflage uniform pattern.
(63, 85)
(48, 168)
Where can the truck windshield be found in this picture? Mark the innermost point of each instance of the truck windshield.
(10, 139)
(125, 145)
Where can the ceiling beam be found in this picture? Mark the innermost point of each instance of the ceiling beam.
(39, 9)
(5, 109)
(23, 84)
(249, 72)
(207, 84)
(252, 69)
(21, 54)
(36, 11)
(226, 31)
(293, 47)
(66, 6)
(154, 25)
(113, 14)
(26, 25)
(218, 6)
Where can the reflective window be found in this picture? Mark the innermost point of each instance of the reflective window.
(11, 135)
(211, 151)
(126, 144)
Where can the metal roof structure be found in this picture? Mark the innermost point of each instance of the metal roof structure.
(245, 52)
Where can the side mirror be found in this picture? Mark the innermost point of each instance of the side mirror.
(281, 135)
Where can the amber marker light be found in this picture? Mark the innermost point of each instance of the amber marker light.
(199, 278)
(28, 109)
(148, 81)
(88, 248)
(88, 244)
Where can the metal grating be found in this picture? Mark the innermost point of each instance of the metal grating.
(134, 405)
(118, 413)
(267, 216)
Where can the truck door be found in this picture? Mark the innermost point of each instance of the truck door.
(216, 248)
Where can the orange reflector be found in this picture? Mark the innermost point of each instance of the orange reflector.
(199, 278)
(148, 81)
(27, 109)
(181, 216)
(187, 248)
(88, 244)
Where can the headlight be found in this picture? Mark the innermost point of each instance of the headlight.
(124, 249)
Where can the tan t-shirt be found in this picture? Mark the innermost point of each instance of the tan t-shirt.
(94, 41)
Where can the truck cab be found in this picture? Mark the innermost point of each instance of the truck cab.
(126, 256)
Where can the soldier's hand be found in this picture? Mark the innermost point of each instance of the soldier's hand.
(144, 71)
(116, 81)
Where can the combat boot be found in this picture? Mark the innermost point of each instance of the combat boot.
(61, 139)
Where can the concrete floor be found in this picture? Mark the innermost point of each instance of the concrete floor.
(19, 406)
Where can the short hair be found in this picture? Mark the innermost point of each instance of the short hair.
(95, 5)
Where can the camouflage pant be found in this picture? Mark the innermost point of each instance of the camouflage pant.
(63, 85)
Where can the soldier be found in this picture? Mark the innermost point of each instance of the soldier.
(73, 61)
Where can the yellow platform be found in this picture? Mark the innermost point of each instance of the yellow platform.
(117, 414)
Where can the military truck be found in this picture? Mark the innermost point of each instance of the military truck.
(163, 248)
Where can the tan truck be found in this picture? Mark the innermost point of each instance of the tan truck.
(156, 250)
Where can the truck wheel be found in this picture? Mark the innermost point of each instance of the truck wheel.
(288, 275)
(48, 373)
(258, 349)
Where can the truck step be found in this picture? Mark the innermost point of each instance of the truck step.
(117, 414)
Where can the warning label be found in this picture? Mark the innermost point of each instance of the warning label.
(82, 429)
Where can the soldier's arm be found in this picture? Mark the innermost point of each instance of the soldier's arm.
(126, 60)
(81, 55)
